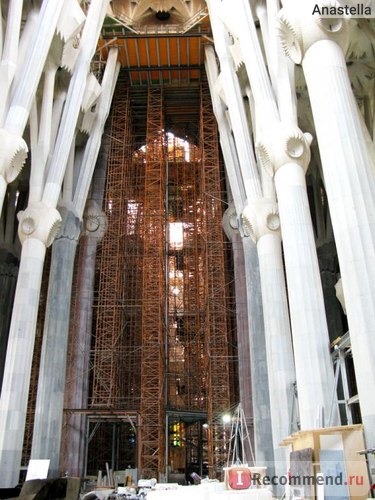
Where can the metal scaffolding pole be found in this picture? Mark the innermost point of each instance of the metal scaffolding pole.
(152, 409)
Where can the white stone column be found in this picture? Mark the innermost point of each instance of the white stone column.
(289, 155)
(261, 219)
(248, 176)
(38, 227)
(74, 437)
(241, 23)
(8, 280)
(14, 151)
(349, 181)
(9, 52)
(51, 381)
(242, 320)
(41, 220)
(73, 102)
(234, 101)
(93, 143)
(258, 360)
(1, 33)
(228, 147)
(43, 136)
(305, 295)
(77, 383)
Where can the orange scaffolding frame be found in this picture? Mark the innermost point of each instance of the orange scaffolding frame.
(152, 407)
(219, 398)
(108, 350)
(161, 337)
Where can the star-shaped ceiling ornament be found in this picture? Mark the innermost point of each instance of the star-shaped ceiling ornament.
(159, 15)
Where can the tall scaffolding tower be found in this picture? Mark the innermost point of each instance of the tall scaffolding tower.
(153, 308)
(186, 364)
(115, 356)
(108, 350)
(161, 338)
(217, 352)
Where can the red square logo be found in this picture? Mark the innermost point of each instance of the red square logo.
(239, 478)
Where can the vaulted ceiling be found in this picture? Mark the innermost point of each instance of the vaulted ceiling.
(161, 43)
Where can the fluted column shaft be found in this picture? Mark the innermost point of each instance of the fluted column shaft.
(43, 141)
(12, 158)
(305, 295)
(350, 187)
(228, 147)
(48, 421)
(262, 222)
(280, 362)
(258, 359)
(73, 102)
(78, 368)
(51, 383)
(23, 96)
(315, 380)
(234, 101)
(9, 51)
(76, 391)
(242, 322)
(15, 389)
(240, 21)
(93, 143)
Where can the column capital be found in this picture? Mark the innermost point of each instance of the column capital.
(39, 221)
(94, 220)
(261, 217)
(231, 222)
(282, 146)
(13, 154)
(301, 26)
(71, 225)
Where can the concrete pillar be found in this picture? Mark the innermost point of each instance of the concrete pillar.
(77, 382)
(76, 392)
(51, 382)
(349, 181)
(38, 226)
(240, 22)
(242, 320)
(77, 377)
(258, 358)
(290, 155)
(73, 443)
(305, 295)
(41, 148)
(261, 219)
